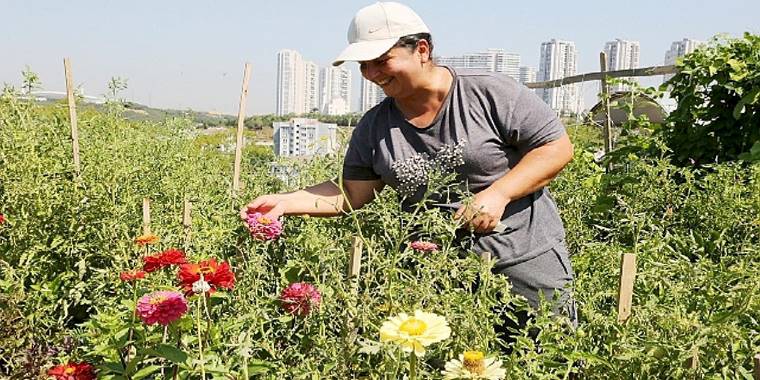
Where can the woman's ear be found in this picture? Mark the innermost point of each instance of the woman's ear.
(423, 47)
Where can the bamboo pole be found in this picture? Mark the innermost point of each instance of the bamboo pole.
(240, 124)
(625, 290)
(72, 113)
(355, 257)
(756, 370)
(639, 72)
(146, 216)
(485, 257)
(606, 99)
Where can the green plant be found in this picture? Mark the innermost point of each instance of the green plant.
(717, 90)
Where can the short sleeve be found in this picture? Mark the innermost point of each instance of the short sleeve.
(532, 122)
(357, 165)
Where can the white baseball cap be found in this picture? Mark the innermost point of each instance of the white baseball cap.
(376, 28)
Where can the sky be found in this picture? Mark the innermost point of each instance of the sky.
(191, 54)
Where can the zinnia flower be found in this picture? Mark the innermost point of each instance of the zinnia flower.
(73, 371)
(163, 307)
(217, 275)
(166, 258)
(148, 239)
(133, 275)
(300, 298)
(473, 365)
(414, 333)
(263, 228)
(424, 246)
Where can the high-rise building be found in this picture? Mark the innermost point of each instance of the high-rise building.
(527, 74)
(297, 83)
(335, 98)
(558, 60)
(372, 95)
(679, 49)
(304, 137)
(622, 55)
(493, 60)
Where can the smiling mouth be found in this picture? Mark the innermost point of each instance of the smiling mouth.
(384, 82)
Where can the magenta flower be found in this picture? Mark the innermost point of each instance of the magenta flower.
(424, 246)
(300, 298)
(162, 307)
(263, 228)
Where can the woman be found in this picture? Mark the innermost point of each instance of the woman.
(498, 136)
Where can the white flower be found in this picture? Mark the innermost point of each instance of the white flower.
(414, 333)
(201, 286)
(473, 365)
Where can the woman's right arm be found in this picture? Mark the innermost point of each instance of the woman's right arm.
(324, 199)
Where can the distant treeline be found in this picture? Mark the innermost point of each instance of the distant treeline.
(261, 121)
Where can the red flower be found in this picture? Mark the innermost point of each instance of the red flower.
(300, 298)
(73, 371)
(218, 275)
(2, 219)
(132, 275)
(166, 258)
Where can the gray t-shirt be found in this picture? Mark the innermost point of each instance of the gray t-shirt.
(486, 124)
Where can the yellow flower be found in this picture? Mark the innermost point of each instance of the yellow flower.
(414, 333)
(473, 365)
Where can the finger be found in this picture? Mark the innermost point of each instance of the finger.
(244, 212)
(276, 211)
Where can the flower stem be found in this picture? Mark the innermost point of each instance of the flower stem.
(413, 366)
(200, 336)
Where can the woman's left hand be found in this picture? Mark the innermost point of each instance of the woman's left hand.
(485, 211)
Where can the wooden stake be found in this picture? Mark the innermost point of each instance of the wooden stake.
(187, 222)
(625, 290)
(241, 122)
(756, 370)
(72, 113)
(355, 258)
(606, 99)
(485, 257)
(146, 216)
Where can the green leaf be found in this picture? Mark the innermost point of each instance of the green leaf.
(751, 98)
(145, 372)
(114, 367)
(171, 353)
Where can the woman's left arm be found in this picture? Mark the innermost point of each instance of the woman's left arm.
(534, 171)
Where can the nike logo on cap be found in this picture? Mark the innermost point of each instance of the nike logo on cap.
(373, 30)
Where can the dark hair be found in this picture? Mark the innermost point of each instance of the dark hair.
(410, 41)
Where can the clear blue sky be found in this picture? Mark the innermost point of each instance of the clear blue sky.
(190, 54)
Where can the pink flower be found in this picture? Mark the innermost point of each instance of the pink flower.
(263, 228)
(300, 298)
(424, 246)
(163, 307)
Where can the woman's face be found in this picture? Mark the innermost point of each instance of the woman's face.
(396, 72)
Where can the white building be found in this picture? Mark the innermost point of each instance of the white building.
(622, 55)
(371, 94)
(559, 60)
(679, 49)
(527, 74)
(304, 137)
(335, 97)
(493, 60)
(297, 83)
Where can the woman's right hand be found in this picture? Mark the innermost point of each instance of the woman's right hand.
(271, 206)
